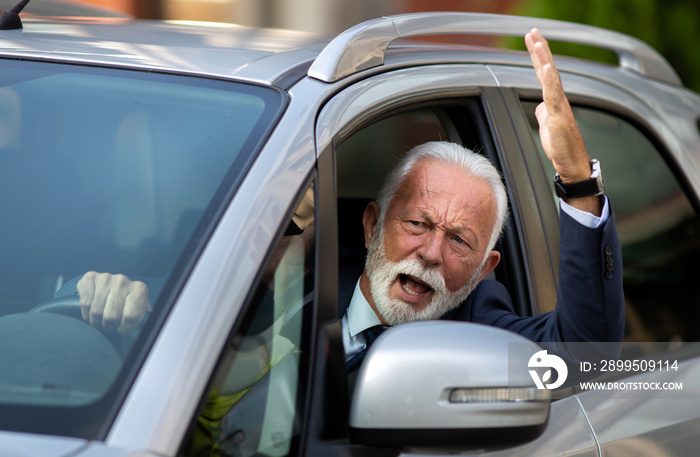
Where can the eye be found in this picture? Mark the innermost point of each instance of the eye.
(415, 227)
(461, 244)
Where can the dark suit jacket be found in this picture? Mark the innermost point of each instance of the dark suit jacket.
(590, 300)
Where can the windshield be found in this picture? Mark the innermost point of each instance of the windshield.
(109, 171)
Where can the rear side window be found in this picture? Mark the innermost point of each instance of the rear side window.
(657, 224)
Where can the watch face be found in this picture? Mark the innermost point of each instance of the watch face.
(596, 171)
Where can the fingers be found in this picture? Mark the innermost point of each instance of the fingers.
(546, 71)
(112, 302)
(531, 39)
(135, 307)
(539, 51)
(559, 134)
(86, 291)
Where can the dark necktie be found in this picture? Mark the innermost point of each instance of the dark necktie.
(370, 334)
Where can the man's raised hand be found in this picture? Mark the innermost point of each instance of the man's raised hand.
(561, 139)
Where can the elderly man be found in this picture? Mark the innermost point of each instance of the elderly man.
(431, 237)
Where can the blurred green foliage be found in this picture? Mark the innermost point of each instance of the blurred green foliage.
(672, 27)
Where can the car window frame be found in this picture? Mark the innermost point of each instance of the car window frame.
(339, 119)
(304, 384)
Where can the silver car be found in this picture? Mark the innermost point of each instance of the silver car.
(227, 168)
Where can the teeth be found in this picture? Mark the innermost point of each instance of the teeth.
(413, 286)
(408, 290)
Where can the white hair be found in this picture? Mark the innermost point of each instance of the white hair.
(472, 163)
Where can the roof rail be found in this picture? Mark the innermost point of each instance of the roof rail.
(364, 45)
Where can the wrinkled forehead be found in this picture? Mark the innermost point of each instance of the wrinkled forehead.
(449, 190)
(432, 178)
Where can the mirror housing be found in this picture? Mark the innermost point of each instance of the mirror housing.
(443, 384)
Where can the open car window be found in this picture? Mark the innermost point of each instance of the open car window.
(365, 158)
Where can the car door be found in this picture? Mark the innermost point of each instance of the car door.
(364, 128)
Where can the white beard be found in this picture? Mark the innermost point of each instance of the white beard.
(382, 273)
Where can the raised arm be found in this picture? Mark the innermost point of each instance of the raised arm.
(561, 138)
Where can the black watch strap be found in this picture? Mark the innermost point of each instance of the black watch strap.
(593, 186)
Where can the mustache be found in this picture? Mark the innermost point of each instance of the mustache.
(380, 269)
(414, 268)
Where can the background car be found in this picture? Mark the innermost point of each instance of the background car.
(228, 167)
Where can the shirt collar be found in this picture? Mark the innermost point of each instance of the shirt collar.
(361, 316)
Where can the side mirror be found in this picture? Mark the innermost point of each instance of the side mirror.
(448, 385)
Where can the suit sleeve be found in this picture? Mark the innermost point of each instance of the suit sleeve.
(590, 297)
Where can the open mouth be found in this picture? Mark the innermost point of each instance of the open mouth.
(414, 286)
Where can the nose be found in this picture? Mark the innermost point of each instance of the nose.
(430, 249)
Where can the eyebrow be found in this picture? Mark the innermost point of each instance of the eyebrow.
(463, 231)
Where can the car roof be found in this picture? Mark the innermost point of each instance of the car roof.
(281, 57)
(212, 49)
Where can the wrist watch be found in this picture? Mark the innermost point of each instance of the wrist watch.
(595, 185)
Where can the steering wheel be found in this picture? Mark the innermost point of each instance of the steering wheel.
(69, 305)
(48, 358)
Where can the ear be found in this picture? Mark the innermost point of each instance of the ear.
(491, 262)
(369, 221)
